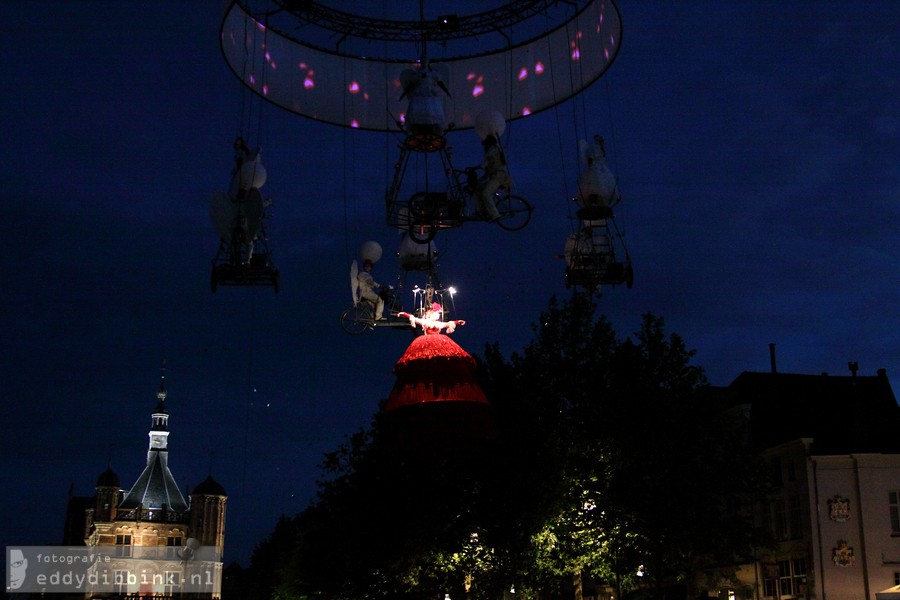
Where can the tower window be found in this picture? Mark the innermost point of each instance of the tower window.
(173, 544)
(120, 581)
(123, 545)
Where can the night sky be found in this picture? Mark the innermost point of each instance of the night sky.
(756, 145)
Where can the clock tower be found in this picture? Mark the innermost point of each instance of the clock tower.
(159, 431)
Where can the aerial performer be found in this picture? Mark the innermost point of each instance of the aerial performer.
(369, 289)
(436, 404)
(597, 187)
(431, 323)
(434, 345)
(248, 172)
(237, 214)
(425, 90)
(490, 125)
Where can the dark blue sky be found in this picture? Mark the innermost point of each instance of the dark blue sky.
(757, 149)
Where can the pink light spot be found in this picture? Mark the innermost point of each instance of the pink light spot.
(309, 83)
(365, 95)
(311, 72)
(477, 91)
(353, 87)
(354, 123)
(260, 26)
(265, 89)
(301, 66)
(273, 65)
(539, 67)
(576, 54)
(579, 35)
(268, 56)
(252, 79)
(523, 73)
(526, 111)
(403, 117)
(606, 53)
(471, 76)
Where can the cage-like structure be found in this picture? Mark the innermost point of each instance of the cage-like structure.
(518, 58)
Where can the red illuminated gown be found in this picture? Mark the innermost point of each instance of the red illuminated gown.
(434, 368)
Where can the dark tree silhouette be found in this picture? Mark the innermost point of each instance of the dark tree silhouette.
(610, 457)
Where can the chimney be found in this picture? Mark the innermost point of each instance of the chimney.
(854, 367)
(772, 357)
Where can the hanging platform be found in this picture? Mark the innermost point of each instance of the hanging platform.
(260, 271)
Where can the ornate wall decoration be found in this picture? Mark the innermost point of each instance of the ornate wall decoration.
(839, 509)
(842, 555)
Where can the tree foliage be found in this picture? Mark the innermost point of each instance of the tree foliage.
(611, 457)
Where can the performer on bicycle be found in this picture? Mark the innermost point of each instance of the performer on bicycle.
(496, 176)
(490, 125)
(368, 287)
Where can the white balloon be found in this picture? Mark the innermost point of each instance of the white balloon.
(370, 251)
(489, 122)
(253, 175)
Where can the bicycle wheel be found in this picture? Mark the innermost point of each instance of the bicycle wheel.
(515, 212)
(357, 319)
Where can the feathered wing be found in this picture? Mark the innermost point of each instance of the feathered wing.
(354, 282)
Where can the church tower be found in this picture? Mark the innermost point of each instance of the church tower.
(155, 489)
(150, 528)
(208, 513)
(108, 495)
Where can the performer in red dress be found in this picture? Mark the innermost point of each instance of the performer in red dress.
(434, 367)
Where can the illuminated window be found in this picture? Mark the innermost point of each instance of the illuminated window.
(894, 502)
(123, 545)
(785, 579)
(120, 581)
(171, 583)
(173, 544)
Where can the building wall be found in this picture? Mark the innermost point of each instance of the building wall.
(845, 536)
(855, 552)
(150, 552)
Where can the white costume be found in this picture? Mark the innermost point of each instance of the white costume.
(596, 184)
(425, 110)
(367, 287)
(496, 175)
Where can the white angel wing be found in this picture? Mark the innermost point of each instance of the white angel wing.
(354, 282)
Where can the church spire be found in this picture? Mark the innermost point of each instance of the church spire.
(159, 431)
(156, 487)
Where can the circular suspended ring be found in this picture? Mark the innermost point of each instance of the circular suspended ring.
(519, 59)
